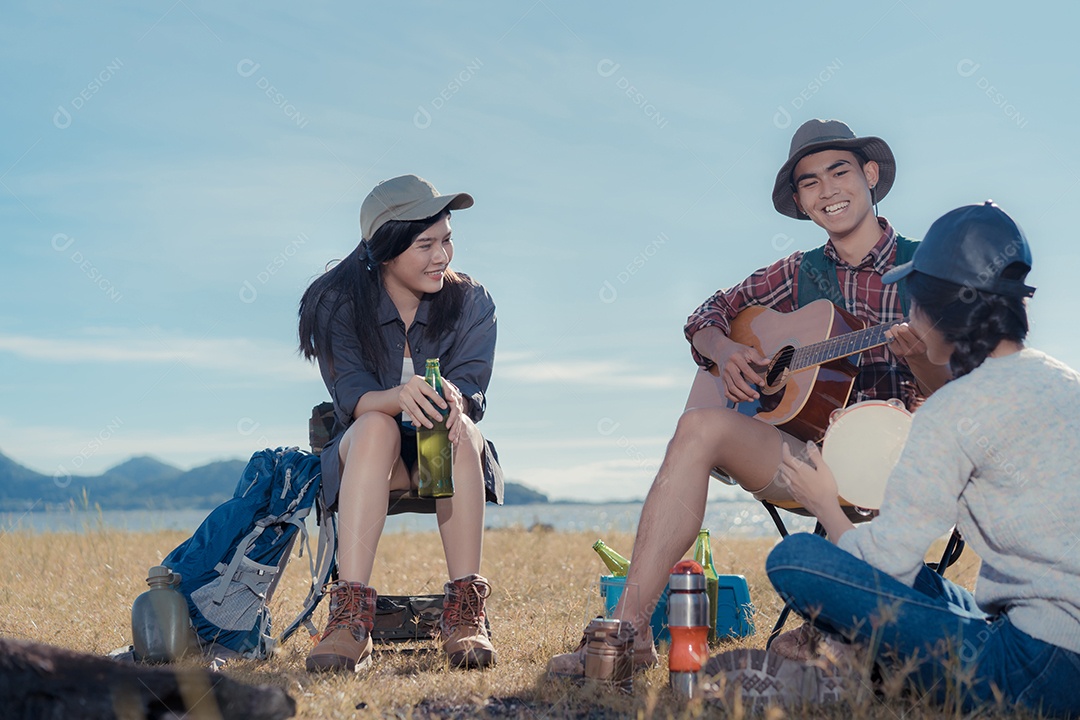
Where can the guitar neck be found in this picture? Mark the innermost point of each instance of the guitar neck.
(841, 346)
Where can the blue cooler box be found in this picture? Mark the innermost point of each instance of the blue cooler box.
(611, 589)
(734, 611)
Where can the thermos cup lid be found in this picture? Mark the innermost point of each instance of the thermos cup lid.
(686, 576)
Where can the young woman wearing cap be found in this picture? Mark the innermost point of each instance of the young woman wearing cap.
(995, 453)
(370, 322)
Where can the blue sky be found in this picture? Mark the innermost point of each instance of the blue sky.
(174, 174)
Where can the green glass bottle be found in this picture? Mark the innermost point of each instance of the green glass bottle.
(435, 453)
(703, 556)
(616, 563)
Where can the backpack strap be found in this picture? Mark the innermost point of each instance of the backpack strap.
(816, 278)
(292, 515)
(230, 571)
(905, 251)
(324, 569)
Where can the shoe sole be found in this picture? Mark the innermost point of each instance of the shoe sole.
(763, 678)
(336, 663)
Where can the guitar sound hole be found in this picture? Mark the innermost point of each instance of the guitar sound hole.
(782, 362)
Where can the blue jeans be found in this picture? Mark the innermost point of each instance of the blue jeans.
(935, 620)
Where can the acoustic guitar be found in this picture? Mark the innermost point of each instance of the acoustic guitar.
(812, 367)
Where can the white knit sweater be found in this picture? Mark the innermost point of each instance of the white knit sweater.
(996, 453)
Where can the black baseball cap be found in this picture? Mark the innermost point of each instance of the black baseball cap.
(971, 246)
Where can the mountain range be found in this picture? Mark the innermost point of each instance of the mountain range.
(144, 482)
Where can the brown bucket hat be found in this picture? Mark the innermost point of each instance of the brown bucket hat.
(817, 135)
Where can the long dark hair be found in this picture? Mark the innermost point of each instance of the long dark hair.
(973, 320)
(355, 284)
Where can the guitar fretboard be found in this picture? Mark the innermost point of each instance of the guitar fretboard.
(835, 348)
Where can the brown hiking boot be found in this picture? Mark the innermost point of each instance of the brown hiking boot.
(808, 644)
(572, 664)
(798, 644)
(346, 642)
(463, 626)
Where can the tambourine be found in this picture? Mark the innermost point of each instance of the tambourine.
(861, 446)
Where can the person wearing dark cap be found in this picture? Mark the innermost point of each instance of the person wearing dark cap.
(994, 453)
(370, 322)
(834, 179)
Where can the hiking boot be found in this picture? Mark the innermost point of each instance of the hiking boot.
(762, 678)
(463, 625)
(798, 644)
(345, 645)
(572, 664)
(808, 644)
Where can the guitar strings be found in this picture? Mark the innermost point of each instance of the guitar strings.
(838, 347)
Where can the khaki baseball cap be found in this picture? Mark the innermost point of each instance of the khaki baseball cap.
(407, 197)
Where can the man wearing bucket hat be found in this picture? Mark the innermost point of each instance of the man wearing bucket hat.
(995, 454)
(835, 179)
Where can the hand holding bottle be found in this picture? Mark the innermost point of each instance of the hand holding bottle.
(421, 401)
(456, 402)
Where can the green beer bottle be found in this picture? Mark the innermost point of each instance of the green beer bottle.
(703, 556)
(616, 563)
(435, 453)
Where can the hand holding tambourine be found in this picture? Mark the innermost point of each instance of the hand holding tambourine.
(860, 448)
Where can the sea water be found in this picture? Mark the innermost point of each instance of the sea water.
(731, 518)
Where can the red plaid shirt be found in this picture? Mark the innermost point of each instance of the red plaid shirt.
(882, 375)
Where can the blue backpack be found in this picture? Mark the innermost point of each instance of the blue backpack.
(230, 567)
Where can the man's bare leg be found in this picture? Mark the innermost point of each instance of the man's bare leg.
(748, 449)
(675, 506)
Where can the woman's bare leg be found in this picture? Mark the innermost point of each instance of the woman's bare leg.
(461, 518)
(371, 466)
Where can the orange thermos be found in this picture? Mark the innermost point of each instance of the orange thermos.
(688, 622)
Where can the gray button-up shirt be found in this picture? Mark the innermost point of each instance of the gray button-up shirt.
(466, 355)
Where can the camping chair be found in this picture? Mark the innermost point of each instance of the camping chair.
(396, 618)
(953, 548)
(401, 501)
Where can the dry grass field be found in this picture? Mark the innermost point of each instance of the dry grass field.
(76, 591)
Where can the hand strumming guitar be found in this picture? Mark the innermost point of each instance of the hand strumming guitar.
(738, 364)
